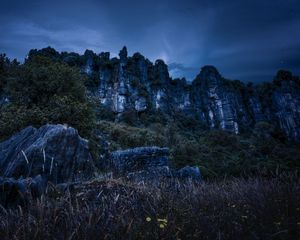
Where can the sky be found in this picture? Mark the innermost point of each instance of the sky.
(247, 40)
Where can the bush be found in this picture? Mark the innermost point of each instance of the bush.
(39, 79)
(14, 118)
(6, 67)
(122, 136)
(42, 91)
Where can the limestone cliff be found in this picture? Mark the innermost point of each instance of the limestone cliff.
(136, 84)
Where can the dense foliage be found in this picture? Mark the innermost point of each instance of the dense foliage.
(42, 91)
(217, 153)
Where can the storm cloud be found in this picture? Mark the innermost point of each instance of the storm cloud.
(245, 40)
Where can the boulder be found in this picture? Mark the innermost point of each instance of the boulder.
(148, 164)
(56, 152)
(136, 159)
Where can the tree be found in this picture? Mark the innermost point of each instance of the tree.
(3, 71)
(43, 91)
(39, 79)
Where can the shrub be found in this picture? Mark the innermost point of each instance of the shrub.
(122, 136)
(14, 118)
(39, 79)
(42, 91)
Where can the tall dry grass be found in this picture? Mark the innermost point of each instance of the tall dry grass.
(254, 208)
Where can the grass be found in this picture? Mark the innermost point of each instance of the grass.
(253, 208)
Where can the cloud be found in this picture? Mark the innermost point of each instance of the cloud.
(178, 70)
(243, 39)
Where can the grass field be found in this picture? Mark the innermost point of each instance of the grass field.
(253, 208)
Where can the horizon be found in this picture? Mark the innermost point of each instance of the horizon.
(130, 54)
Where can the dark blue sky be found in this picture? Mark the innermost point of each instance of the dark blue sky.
(245, 40)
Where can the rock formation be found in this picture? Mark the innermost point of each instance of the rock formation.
(136, 84)
(32, 157)
(140, 158)
(148, 163)
(56, 152)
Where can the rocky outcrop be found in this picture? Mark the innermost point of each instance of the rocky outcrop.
(56, 152)
(148, 164)
(219, 104)
(134, 83)
(135, 159)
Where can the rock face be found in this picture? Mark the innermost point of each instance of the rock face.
(218, 104)
(286, 104)
(56, 152)
(136, 84)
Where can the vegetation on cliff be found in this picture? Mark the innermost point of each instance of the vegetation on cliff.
(263, 203)
(47, 90)
(42, 91)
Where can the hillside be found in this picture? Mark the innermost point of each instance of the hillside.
(99, 148)
(133, 84)
(225, 127)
